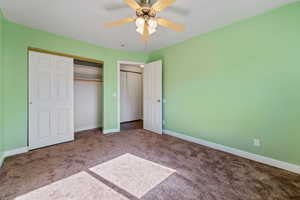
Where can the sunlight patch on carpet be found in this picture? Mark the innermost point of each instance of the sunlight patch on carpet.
(81, 186)
(133, 174)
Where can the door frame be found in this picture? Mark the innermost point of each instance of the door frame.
(119, 89)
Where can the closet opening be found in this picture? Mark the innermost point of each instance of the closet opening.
(88, 96)
(131, 95)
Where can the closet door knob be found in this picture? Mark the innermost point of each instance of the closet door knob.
(158, 100)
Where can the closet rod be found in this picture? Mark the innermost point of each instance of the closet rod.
(78, 79)
(122, 70)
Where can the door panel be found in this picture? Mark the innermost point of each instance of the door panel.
(50, 99)
(44, 86)
(44, 124)
(153, 97)
(63, 120)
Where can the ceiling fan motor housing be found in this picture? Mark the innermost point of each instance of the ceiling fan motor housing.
(145, 12)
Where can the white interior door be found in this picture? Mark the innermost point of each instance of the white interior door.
(50, 99)
(153, 97)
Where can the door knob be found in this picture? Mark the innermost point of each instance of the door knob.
(158, 100)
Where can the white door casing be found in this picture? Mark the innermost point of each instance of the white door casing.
(153, 97)
(50, 99)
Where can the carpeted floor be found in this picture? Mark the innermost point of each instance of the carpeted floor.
(200, 173)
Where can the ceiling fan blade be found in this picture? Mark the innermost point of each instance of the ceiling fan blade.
(145, 35)
(122, 21)
(133, 4)
(171, 25)
(115, 7)
(159, 5)
(178, 10)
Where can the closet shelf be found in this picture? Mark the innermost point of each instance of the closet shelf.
(88, 80)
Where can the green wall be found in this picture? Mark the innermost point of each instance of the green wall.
(17, 39)
(1, 88)
(238, 83)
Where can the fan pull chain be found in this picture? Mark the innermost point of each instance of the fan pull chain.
(146, 45)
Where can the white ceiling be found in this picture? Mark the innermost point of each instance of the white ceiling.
(84, 19)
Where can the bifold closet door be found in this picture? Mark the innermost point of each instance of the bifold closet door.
(50, 100)
(134, 91)
(124, 98)
(131, 96)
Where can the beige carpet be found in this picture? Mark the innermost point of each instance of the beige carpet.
(201, 173)
(133, 174)
(81, 186)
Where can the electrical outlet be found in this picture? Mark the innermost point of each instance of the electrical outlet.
(256, 142)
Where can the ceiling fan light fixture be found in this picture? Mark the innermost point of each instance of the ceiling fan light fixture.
(140, 30)
(140, 22)
(146, 21)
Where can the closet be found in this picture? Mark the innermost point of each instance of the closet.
(131, 95)
(88, 86)
(65, 96)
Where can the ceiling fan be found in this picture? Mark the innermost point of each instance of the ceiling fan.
(146, 20)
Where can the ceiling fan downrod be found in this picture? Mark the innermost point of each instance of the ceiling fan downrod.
(145, 2)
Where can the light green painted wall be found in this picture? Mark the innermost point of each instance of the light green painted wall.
(17, 39)
(239, 83)
(1, 86)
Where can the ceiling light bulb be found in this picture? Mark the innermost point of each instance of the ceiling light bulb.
(140, 30)
(140, 22)
(152, 23)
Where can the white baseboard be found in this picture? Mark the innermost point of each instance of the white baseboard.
(87, 128)
(111, 131)
(12, 153)
(15, 151)
(262, 159)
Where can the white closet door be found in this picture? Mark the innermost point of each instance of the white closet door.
(131, 96)
(153, 97)
(50, 100)
(124, 97)
(134, 89)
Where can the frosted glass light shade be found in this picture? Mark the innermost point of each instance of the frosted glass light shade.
(152, 23)
(140, 22)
